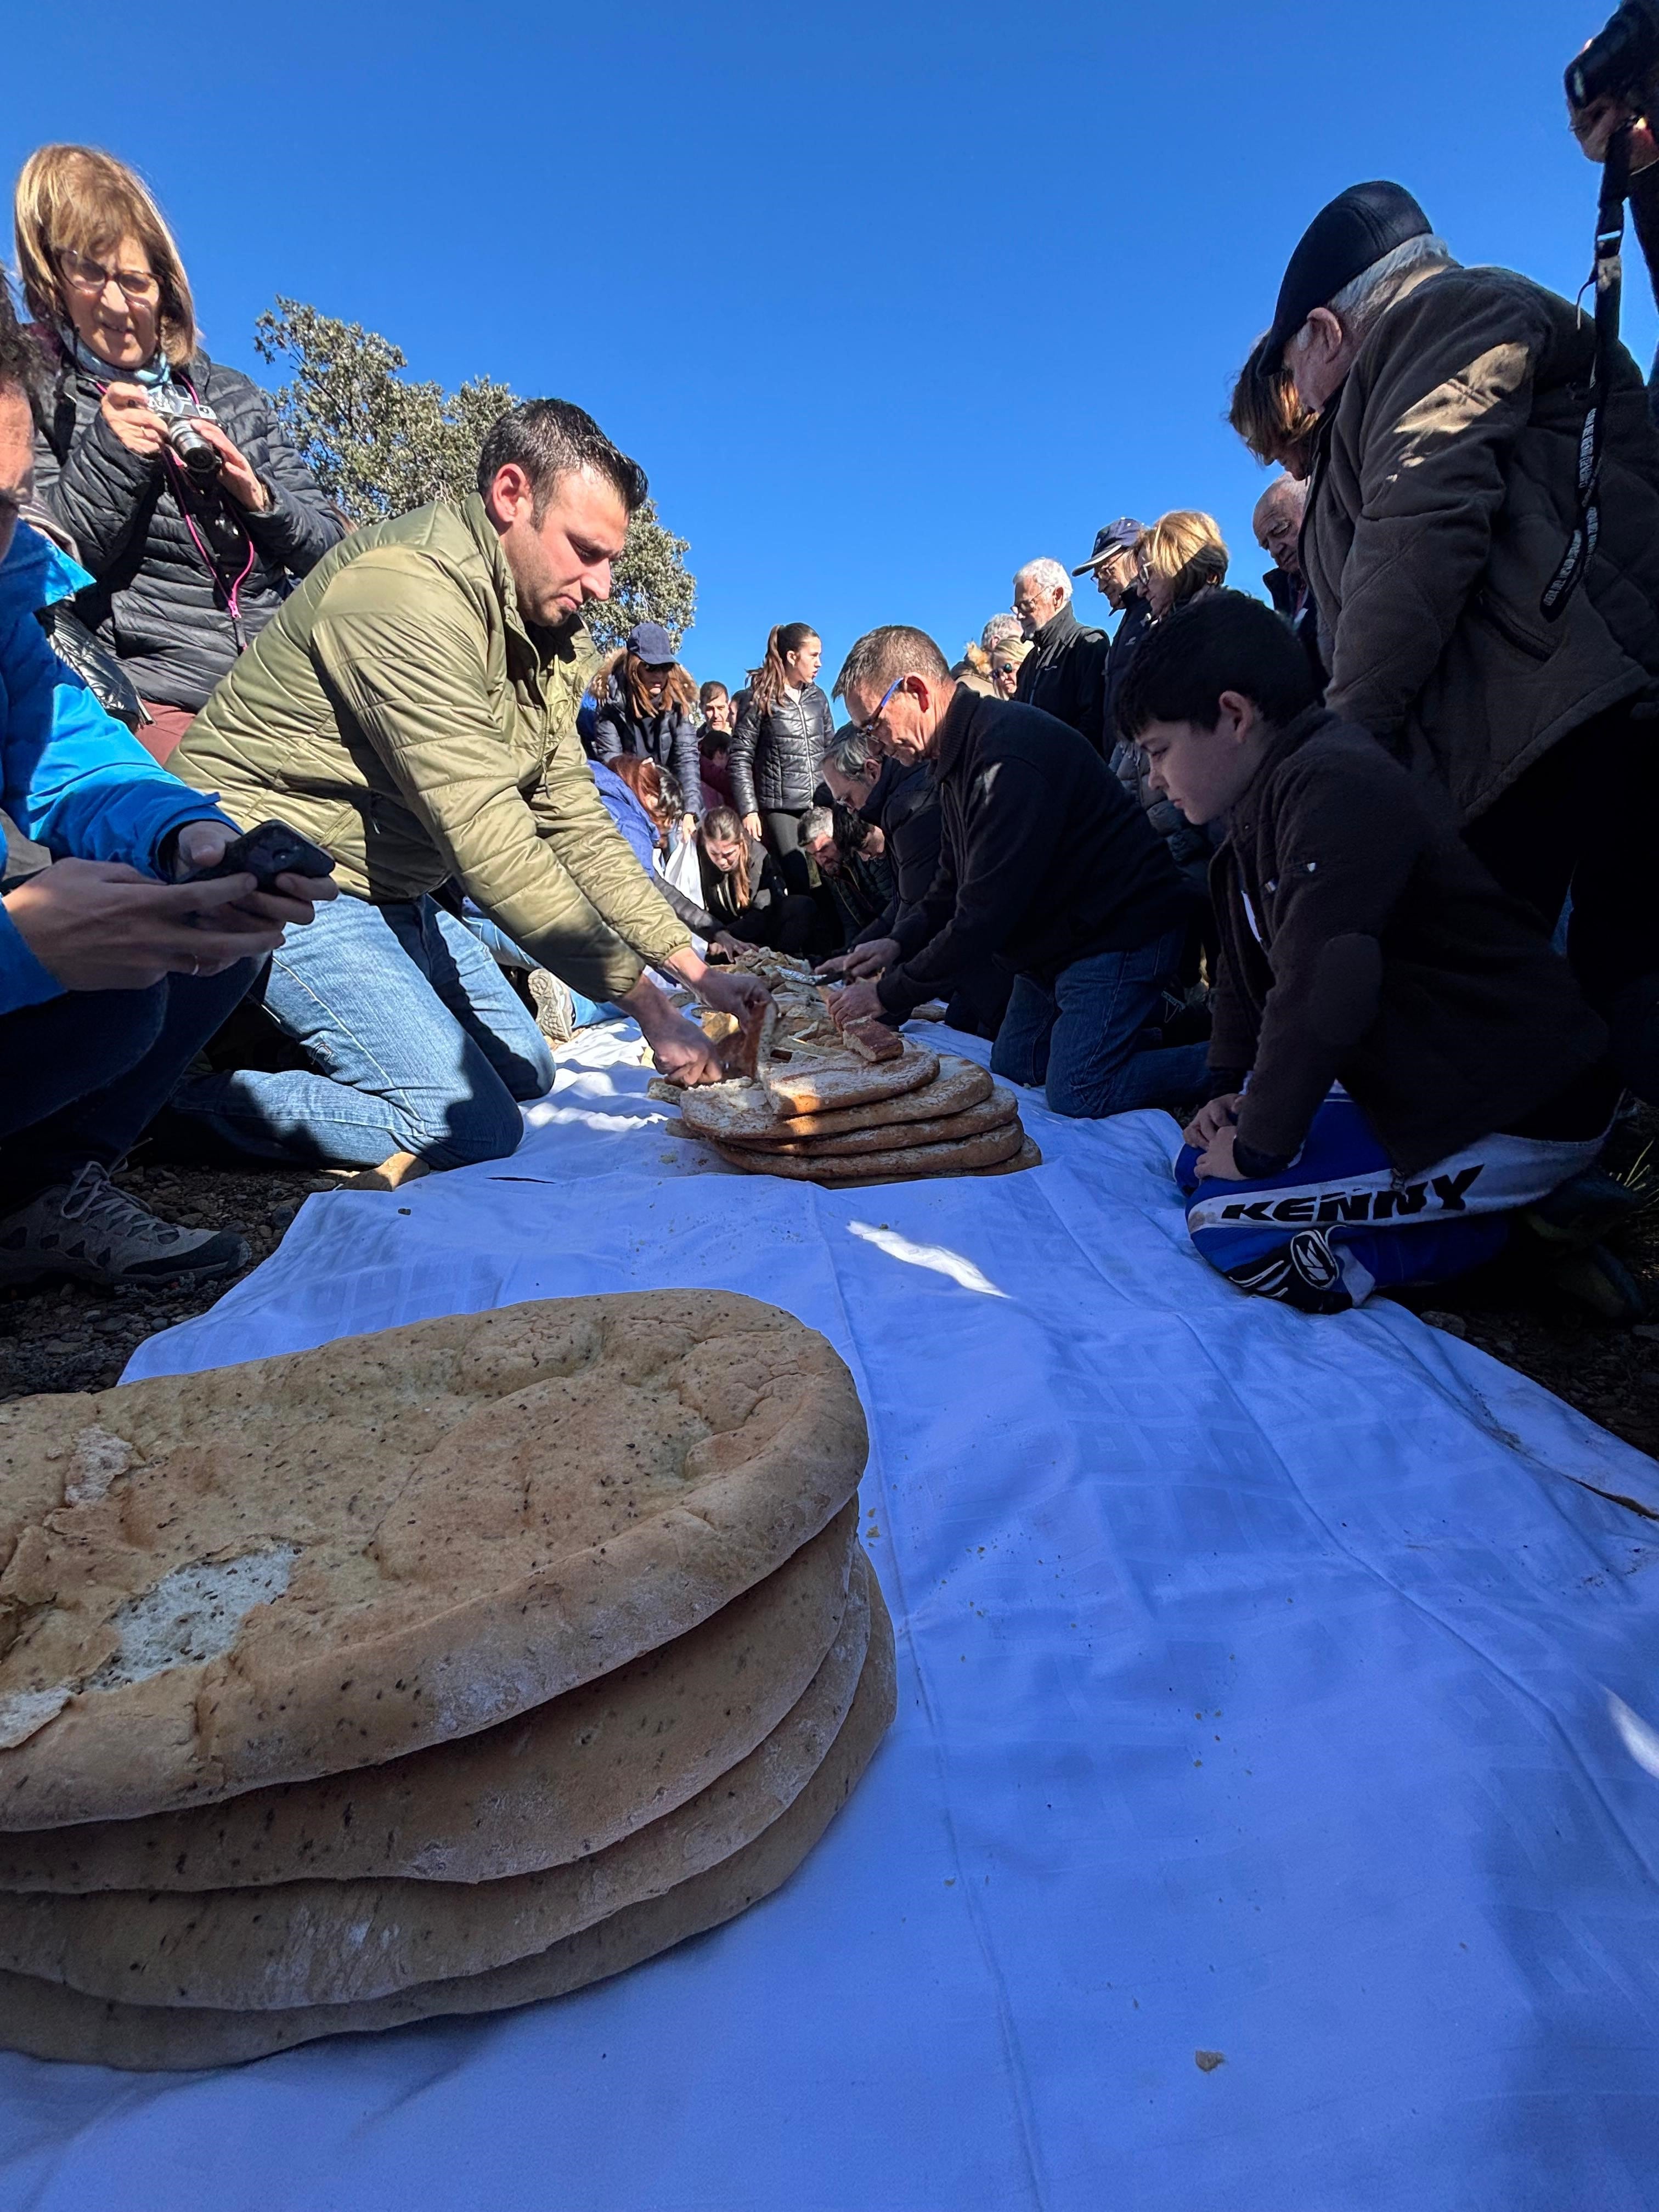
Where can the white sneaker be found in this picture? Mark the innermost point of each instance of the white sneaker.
(88, 1229)
(555, 1010)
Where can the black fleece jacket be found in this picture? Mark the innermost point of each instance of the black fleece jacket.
(1363, 942)
(1044, 858)
(1065, 675)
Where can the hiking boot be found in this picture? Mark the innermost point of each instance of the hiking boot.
(89, 1230)
(555, 1010)
(1596, 1279)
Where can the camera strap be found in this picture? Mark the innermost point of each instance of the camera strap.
(1608, 276)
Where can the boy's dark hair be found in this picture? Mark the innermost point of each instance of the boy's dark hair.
(551, 438)
(1220, 641)
(21, 363)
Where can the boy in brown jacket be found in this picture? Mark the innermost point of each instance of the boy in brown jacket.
(1397, 1057)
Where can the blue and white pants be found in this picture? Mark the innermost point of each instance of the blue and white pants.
(1340, 1222)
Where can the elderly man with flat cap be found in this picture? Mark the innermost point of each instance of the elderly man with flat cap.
(1482, 612)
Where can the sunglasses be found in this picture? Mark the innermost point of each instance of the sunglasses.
(867, 730)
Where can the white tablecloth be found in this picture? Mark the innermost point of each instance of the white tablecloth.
(1252, 1701)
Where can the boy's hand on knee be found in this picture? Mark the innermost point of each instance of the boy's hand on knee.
(1214, 1116)
(1216, 1163)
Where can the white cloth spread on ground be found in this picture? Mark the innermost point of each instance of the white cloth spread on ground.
(1253, 1701)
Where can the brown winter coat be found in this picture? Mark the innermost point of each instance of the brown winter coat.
(1443, 494)
(1363, 942)
(402, 712)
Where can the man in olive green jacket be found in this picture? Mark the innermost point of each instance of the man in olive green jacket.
(1443, 496)
(412, 709)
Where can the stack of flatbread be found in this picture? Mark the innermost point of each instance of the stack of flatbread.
(433, 1672)
(835, 1118)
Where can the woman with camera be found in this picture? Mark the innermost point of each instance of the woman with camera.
(185, 501)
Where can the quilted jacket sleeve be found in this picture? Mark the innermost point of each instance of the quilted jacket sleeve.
(741, 758)
(100, 492)
(407, 668)
(299, 527)
(1450, 392)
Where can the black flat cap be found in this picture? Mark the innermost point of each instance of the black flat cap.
(1356, 228)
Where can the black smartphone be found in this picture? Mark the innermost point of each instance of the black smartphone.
(270, 850)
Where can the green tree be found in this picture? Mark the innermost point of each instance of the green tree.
(380, 444)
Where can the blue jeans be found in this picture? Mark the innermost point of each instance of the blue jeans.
(86, 1074)
(423, 1047)
(509, 954)
(1082, 1039)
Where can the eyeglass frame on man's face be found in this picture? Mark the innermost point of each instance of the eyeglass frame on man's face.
(135, 286)
(865, 732)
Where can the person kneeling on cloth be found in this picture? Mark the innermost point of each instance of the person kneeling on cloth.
(1398, 1059)
(412, 709)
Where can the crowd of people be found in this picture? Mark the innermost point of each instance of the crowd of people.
(1332, 874)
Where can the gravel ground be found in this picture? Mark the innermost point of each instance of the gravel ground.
(64, 1337)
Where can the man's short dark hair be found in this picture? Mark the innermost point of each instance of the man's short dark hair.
(1219, 642)
(548, 438)
(882, 655)
(21, 363)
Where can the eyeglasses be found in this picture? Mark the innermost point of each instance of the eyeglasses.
(91, 277)
(867, 730)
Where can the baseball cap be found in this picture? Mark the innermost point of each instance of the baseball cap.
(1356, 228)
(1118, 537)
(651, 643)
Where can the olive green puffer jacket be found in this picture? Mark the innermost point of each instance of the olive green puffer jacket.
(401, 712)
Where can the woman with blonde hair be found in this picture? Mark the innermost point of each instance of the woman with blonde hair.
(1006, 655)
(1182, 554)
(185, 501)
(785, 728)
(1267, 413)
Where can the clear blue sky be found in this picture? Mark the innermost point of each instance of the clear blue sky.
(887, 298)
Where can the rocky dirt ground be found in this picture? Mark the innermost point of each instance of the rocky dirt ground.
(64, 1337)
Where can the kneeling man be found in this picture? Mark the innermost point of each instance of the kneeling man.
(1046, 866)
(413, 710)
(1398, 1058)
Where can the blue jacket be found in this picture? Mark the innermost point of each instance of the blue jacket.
(71, 777)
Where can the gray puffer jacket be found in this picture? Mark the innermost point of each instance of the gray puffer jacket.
(775, 752)
(158, 606)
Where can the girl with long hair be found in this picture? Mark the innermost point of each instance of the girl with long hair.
(647, 708)
(743, 887)
(784, 730)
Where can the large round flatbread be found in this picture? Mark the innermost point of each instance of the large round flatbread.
(995, 1113)
(971, 1153)
(344, 1942)
(814, 1084)
(958, 1085)
(1030, 1155)
(565, 1779)
(316, 1563)
(49, 2020)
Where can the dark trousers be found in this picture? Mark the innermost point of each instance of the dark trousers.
(781, 828)
(87, 1073)
(1581, 822)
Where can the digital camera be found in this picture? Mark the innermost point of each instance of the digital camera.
(201, 461)
(1621, 60)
